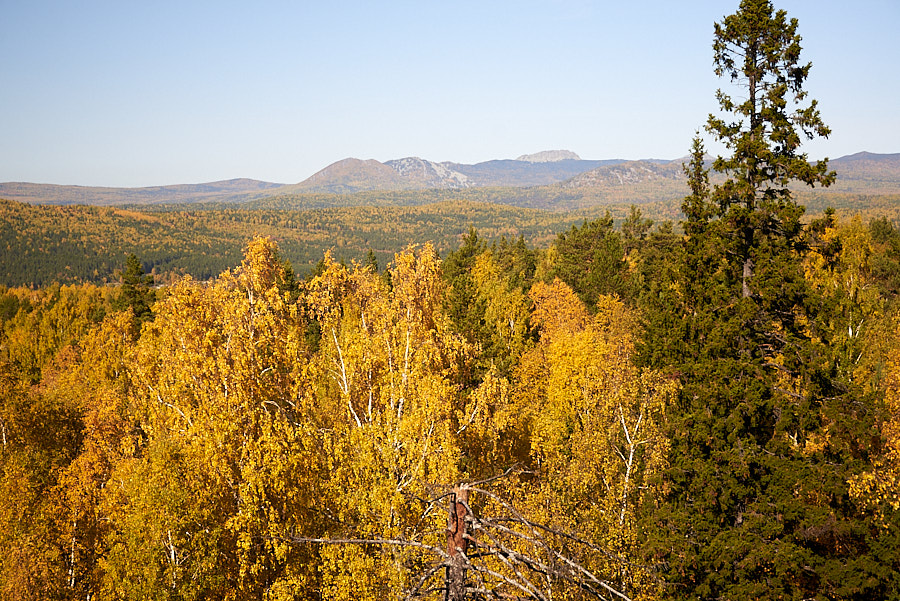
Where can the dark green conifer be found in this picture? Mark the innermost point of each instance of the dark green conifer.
(591, 259)
(136, 291)
(765, 437)
(516, 261)
(635, 229)
(465, 308)
(371, 261)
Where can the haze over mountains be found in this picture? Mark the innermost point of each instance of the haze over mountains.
(558, 170)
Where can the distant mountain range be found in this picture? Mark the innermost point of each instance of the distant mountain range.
(412, 173)
(560, 171)
(224, 191)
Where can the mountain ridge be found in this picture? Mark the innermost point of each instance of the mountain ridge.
(63, 194)
(614, 178)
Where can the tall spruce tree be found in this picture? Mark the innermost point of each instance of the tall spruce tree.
(759, 50)
(764, 437)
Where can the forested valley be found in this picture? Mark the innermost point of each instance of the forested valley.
(581, 407)
(85, 244)
(77, 244)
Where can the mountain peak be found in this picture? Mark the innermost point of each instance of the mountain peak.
(549, 156)
(352, 175)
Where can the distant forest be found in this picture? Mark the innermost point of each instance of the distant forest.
(75, 244)
(72, 244)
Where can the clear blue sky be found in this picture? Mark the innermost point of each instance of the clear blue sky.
(124, 93)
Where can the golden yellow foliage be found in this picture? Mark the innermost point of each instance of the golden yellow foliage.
(596, 425)
(230, 462)
(252, 417)
(386, 370)
(853, 303)
(879, 487)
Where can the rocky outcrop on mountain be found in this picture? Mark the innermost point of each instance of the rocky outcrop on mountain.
(420, 173)
(522, 174)
(414, 173)
(629, 172)
(549, 156)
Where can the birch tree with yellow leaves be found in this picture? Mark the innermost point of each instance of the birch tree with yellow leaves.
(230, 459)
(596, 428)
(95, 383)
(386, 378)
(878, 488)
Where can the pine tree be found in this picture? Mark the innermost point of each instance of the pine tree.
(765, 436)
(760, 51)
(466, 310)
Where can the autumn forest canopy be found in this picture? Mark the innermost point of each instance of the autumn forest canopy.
(701, 405)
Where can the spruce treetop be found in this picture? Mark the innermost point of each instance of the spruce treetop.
(758, 49)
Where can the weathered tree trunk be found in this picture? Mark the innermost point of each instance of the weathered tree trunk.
(745, 280)
(457, 543)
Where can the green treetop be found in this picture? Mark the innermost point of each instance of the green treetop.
(758, 49)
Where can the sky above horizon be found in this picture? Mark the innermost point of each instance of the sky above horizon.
(156, 93)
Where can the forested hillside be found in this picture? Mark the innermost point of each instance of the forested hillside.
(225, 191)
(528, 406)
(73, 244)
(78, 244)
